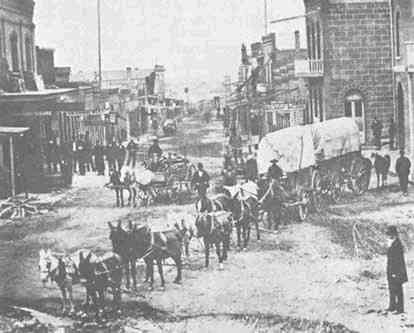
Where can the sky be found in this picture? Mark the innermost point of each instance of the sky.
(196, 40)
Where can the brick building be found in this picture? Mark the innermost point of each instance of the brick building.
(403, 66)
(349, 65)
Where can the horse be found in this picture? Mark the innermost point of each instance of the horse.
(64, 271)
(382, 166)
(220, 202)
(245, 210)
(157, 246)
(100, 273)
(272, 196)
(215, 228)
(122, 244)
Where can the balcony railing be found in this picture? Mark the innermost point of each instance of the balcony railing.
(309, 68)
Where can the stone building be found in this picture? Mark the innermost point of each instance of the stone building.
(269, 95)
(17, 44)
(349, 65)
(403, 68)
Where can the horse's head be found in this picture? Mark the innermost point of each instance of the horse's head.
(119, 238)
(86, 268)
(48, 265)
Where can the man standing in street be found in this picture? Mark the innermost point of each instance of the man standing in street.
(396, 271)
(377, 132)
(391, 133)
(402, 168)
(132, 153)
(120, 156)
(201, 181)
(116, 184)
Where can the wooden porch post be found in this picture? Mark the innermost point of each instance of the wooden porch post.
(12, 171)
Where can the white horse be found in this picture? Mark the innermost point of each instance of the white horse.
(64, 271)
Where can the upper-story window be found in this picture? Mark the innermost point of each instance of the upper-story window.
(14, 52)
(397, 34)
(29, 54)
(314, 37)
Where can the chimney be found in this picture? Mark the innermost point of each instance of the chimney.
(297, 40)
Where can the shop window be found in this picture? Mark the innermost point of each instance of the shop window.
(29, 50)
(14, 52)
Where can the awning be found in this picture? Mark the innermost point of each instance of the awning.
(12, 130)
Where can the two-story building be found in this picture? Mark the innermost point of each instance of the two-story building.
(349, 63)
(403, 68)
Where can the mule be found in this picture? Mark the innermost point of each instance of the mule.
(220, 202)
(158, 246)
(100, 273)
(122, 244)
(382, 167)
(215, 228)
(64, 271)
(244, 212)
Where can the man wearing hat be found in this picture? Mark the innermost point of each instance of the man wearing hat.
(396, 271)
(402, 168)
(201, 181)
(274, 172)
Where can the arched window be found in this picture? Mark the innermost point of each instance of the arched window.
(29, 54)
(14, 52)
(397, 34)
(354, 108)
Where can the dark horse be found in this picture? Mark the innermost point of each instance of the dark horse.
(382, 167)
(122, 244)
(245, 211)
(157, 246)
(215, 228)
(220, 202)
(99, 274)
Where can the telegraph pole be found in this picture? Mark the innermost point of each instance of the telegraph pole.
(265, 17)
(99, 45)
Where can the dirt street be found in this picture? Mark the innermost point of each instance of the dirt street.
(304, 278)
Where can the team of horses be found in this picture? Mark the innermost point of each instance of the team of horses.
(214, 223)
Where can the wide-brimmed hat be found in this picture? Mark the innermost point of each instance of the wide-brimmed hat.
(275, 160)
(392, 231)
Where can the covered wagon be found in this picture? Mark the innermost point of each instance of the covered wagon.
(308, 154)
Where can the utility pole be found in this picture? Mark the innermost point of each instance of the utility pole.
(265, 17)
(99, 45)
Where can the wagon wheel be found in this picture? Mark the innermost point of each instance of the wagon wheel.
(335, 188)
(316, 181)
(361, 184)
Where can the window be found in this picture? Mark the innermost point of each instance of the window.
(397, 34)
(29, 60)
(354, 108)
(14, 52)
(318, 41)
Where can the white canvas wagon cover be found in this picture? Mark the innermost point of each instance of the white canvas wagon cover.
(300, 147)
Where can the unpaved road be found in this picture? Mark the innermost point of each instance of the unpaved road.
(290, 281)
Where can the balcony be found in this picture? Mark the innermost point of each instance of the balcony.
(309, 68)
